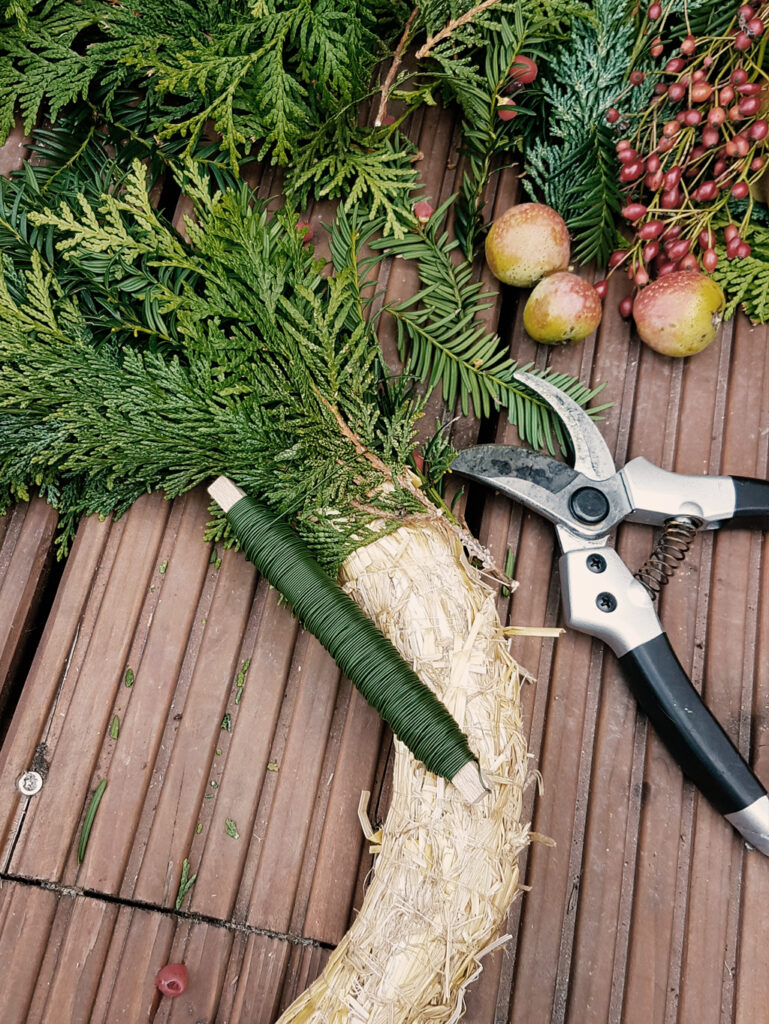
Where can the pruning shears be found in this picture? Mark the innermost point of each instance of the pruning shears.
(603, 598)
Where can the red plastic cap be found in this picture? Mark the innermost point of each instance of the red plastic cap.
(171, 980)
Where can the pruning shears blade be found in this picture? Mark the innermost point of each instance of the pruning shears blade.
(592, 457)
(531, 478)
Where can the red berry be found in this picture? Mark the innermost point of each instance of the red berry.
(524, 70)
(627, 155)
(725, 96)
(740, 189)
(655, 10)
(633, 211)
(710, 260)
(707, 190)
(710, 137)
(677, 91)
(653, 181)
(749, 88)
(612, 115)
(746, 11)
(755, 27)
(757, 163)
(651, 229)
(739, 76)
(631, 171)
(665, 144)
(602, 288)
(716, 115)
(675, 65)
(622, 144)
(734, 113)
(673, 176)
(171, 980)
(650, 251)
(636, 77)
(617, 257)
(701, 91)
(506, 109)
(692, 117)
(673, 231)
(670, 199)
(731, 232)
(305, 227)
(386, 119)
(732, 246)
(719, 167)
(689, 262)
(743, 251)
(626, 306)
(742, 41)
(677, 249)
(698, 75)
(657, 47)
(749, 105)
(707, 238)
(670, 128)
(665, 268)
(423, 211)
(641, 277)
(689, 45)
(653, 163)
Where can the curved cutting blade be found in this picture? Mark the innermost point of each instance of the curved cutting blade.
(592, 457)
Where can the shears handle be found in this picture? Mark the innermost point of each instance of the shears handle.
(602, 598)
(751, 498)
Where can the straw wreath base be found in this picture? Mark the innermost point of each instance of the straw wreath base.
(447, 872)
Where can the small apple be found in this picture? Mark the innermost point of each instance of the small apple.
(527, 242)
(679, 314)
(562, 308)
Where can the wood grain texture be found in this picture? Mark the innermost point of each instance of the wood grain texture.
(241, 750)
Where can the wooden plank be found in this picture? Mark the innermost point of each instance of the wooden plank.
(26, 916)
(51, 826)
(26, 557)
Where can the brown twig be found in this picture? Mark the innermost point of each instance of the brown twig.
(453, 24)
(397, 57)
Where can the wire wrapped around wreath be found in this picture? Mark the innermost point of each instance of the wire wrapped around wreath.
(362, 652)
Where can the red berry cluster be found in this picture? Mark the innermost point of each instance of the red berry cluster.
(522, 73)
(698, 143)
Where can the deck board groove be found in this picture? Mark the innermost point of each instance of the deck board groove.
(649, 910)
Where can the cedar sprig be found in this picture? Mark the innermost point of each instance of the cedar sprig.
(574, 167)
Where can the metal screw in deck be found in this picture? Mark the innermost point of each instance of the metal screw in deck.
(30, 783)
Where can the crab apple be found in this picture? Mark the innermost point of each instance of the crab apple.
(562, 308)
(527, 242)
(679, 314)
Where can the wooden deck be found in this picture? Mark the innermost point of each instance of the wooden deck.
(227, 738)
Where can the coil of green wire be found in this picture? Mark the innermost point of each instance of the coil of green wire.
(362, 652)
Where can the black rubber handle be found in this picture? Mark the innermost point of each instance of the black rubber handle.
(687, 728)
(751, 498)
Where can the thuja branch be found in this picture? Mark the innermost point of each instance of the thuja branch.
(454, 24)
(397, 58)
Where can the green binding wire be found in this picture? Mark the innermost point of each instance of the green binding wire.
(365, 655)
